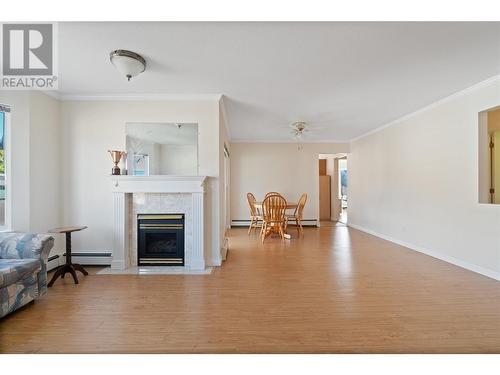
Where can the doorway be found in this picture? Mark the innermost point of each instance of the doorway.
(489, 156)
(332, 196)
(227, 202)
(227, 192)
(343, 184)
(495, 166)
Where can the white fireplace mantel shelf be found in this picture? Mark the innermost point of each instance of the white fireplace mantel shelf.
(158, 184)
(124, 187)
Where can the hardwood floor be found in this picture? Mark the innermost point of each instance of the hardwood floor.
(337, 290)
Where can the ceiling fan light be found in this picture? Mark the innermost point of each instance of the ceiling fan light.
(298, 129)
(129, 63)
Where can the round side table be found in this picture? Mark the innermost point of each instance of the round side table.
(69, 266)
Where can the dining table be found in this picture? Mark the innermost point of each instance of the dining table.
(289, 206)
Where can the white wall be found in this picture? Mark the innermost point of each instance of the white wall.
(416, 182)
(45, 164)
(35, 162)
(90, 128)
(262, 167)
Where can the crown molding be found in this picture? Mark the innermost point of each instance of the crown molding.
(139, 97)
(326, 141)
(52, 93)
(437, 103)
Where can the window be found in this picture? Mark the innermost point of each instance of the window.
(3, 168)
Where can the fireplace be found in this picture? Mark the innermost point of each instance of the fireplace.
(160, 239)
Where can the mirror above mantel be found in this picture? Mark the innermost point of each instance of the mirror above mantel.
(162, 148)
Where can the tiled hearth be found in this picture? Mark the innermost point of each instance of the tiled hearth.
(155, 270)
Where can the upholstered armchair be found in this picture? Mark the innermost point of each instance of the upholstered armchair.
(23, 269)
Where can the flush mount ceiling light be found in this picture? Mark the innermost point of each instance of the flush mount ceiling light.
(128, 63)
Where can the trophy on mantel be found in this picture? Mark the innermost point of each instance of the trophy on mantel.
(116, 156)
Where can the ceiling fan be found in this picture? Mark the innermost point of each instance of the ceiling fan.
(298, 129)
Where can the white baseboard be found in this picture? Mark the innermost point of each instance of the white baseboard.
(216, 262)
(455, 261)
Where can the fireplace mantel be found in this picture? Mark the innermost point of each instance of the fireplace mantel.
(123, 188)
(158, 184)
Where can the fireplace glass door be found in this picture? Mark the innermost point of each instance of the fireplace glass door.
(161, 239)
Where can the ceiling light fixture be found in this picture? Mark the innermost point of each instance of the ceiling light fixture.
(128, 63)
(299, 128)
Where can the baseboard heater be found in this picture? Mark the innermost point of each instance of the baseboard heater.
(52, 262)
(246, 223)
(91, 259)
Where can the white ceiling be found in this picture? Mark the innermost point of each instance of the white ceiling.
(343, 78)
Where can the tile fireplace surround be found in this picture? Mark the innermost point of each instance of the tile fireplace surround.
(133, 195)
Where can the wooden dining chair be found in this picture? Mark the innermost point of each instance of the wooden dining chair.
(273, 213)
(272, 193)
(297, 215)
(255, 215)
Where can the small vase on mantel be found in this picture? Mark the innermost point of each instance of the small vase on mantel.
(123, 165)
